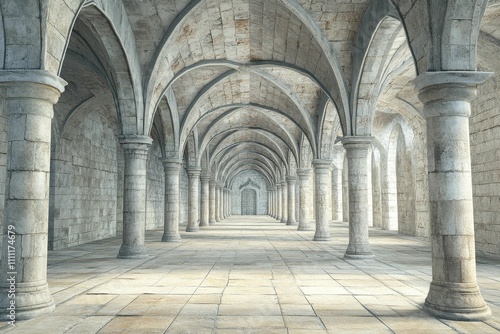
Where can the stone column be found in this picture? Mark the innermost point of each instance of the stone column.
(337, 193)
(226, 202)
(212, 202)
(279, 202)
(217, 202)
(135, 150)
(228, 208)
(357, 149)
(205, 199)
(284, 200)
(193, 199)
(291, 200)
(271, 203)
(172, 169)
(322, 197)
(304, 200)
(454, 293)
(29, 100)
(222, 203)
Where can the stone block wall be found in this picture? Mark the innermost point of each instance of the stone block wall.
(252, 180)
(155, 188)
(84, 183)
(485, 158)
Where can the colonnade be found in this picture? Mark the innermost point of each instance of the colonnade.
(29, 100)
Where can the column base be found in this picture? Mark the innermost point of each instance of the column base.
(204, 224)
(305, 228)
(171, 237)
(132, 252)
(457, 301)
(321, 238)
(211, 222)
(192, 229)
(32, 300)
(292, 223)
(283, 221)
(362, 256)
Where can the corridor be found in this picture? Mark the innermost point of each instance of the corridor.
(251, 275)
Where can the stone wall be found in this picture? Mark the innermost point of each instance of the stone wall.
(84, 182)
(251, 180)
(485, 157)
(155, 188)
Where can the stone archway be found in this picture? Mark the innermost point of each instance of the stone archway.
(249, 202)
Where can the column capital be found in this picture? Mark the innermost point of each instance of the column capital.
(205, 178)
(135, 142)
(23, 77)
(278, 186)
(349, 141)
(449, 86)
(172, 163)
(303, 173)
(322, 165)
(193, 171)
(291, 178)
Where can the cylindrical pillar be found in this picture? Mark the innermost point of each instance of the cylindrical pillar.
(29, 104)
(135, 149)
(217, 202)
(212, 202)
(205, 199)
(221, 202)
(284, 201)
(172, 168)
(279, 202)
(193, 199)
(357, 149)
(291, 180)
(454, 293)
(337, 193)
(304, 201)
(322, 197)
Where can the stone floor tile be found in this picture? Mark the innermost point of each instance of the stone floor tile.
(249, 309)
(90, 325)
(200, 310)
(250, 275)
(137, 324)
(303, 322)
(297, 309)
(345, 324)
(418, 325)
(243, 322)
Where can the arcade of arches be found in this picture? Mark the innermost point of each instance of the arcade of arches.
(122, 116)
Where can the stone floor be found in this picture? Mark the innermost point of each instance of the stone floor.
(251, 275)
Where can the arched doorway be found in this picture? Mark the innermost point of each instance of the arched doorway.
(248, 202)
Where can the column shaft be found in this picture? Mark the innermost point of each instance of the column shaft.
(279, 202)
(304, 201)
(454, 293)
(217, 203)
(205, 199)
(357, 149)
(322, 196)
(284, 202)
(29, 100)
(291, 200)
(193, 200)
(172, 169)
(337, 194)
(212, 203)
